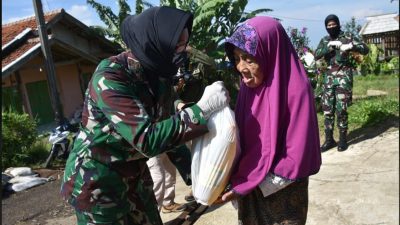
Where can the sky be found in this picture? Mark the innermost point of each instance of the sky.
(293, 13)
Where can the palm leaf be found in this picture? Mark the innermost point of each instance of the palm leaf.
(256, 12)
(105, 13)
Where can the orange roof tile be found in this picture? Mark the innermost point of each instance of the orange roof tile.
(17, 53)
(10, 30)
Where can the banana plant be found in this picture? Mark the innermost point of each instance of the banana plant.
(113, 21)
(214, 20)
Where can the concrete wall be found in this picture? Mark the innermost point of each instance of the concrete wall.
(68, 85)
(64, 34)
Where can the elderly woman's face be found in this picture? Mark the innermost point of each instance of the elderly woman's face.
(248, 67)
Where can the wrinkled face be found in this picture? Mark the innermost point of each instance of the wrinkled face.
(182, 42)
(248, 67)
(331, 24)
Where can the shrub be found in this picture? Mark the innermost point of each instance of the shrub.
(371, 111)
(18, 135)
(37, 153)
(390, 67)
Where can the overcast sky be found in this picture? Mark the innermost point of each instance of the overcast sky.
(293, 13)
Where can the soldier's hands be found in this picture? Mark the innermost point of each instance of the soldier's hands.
(335, 44)
(215, 97)
(346, 47)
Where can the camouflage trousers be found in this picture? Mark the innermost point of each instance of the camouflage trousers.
(85, 218)
(337, 97)
(110, 198)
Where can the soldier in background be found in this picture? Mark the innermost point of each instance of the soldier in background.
(336, 49)
(191, 77)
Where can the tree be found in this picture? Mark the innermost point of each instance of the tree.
(299, 40)
(113, 21)
(214, 20)
(352, 28)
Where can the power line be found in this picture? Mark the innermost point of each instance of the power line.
(292, 18)
(309, 20)
(48, 6)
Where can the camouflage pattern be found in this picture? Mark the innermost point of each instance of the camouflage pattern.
(338, 79)
(126, 119)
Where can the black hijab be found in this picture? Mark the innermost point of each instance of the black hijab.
(333, 31)
(152, 37)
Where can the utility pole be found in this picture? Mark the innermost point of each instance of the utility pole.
(50, 70)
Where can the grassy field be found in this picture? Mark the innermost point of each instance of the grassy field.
(367, 112)
(387, 83)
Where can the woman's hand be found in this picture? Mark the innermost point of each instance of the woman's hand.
(226, 197)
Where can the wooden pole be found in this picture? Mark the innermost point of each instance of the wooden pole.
(49, 65)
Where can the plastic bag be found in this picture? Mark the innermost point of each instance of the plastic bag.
(213, 157)
(21, 183)
(19, 171)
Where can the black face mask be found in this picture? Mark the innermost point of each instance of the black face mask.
(179, 58)
(333, 31)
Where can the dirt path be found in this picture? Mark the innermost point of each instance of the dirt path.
(36, 205)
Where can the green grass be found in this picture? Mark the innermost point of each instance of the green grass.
(388, 83)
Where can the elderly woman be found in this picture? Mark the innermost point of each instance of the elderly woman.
(277, 123)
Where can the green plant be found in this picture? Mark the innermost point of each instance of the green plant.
(214, 20)
(18, 134)
(392, 66)
(370, 63)
(299, 40)
(371, 111)
(352, 28)
(112, 20)
(38, 152)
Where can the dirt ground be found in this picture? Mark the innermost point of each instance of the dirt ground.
(36, 205)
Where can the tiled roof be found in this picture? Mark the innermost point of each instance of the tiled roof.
(20, 40)
(10, 30)
(17, 53)
(380, 24)
(10, 33)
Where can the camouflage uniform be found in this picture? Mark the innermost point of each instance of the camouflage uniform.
(126, 119)
(338, 80)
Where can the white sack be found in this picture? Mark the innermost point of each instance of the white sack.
(19, 171)
(213, 157)
(24, 182)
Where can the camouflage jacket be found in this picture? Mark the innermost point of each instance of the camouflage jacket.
(335, 58)
(126, 117)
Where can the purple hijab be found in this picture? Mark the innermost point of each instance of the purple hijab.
(277, 121)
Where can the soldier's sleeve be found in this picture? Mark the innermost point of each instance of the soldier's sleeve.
(129, 118)
(321, 50)
(360, 46)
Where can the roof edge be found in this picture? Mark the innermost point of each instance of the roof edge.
(16, 38)
(5, 70)
(383, 14)
(56, 11)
